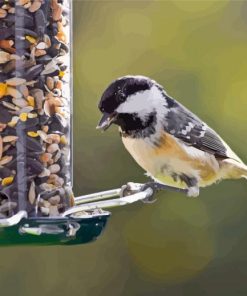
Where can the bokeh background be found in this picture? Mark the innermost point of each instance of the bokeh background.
(176, 246)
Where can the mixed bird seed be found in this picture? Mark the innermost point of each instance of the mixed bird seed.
(35, 167)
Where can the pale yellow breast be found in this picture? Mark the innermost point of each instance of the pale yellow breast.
(143, 154)
(173, 157)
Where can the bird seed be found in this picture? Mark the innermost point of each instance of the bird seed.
(34, 110)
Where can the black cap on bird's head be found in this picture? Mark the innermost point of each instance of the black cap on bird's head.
(117, 94)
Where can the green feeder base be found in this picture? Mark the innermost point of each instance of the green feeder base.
(53, 231)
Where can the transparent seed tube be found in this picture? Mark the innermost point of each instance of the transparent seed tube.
(35, 107)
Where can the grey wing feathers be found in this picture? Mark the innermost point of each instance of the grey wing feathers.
(186, 126)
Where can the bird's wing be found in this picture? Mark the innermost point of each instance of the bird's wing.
(184, 125)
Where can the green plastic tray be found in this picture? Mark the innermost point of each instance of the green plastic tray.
(54, 231)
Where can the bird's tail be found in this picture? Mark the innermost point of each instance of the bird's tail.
(243, 171)
(245, 176)
(234, 169)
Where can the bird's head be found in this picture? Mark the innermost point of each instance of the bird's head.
(132, 102)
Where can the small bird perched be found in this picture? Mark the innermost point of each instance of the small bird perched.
(167, 140)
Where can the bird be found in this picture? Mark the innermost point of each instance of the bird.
(172, 144)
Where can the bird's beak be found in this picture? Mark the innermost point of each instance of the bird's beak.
(106, 121)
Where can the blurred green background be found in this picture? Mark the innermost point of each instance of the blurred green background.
(177, 246)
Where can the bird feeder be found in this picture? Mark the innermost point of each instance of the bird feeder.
(37, 205)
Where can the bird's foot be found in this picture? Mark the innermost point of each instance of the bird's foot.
(132, 188)
(155, 186)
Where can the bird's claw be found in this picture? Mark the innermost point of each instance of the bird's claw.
(132, 188)
(153, 186)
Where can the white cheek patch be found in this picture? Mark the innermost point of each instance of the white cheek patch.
(143, 103)
(139, 103)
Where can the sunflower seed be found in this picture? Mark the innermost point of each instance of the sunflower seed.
(44, 173)
(45, 157)
(22, 2)
(52, 69)
(40, 52)
(35, 6)
(5, 159)
(38, 95)
(50, 162)
(41, 45)
(52, 148)
(11, 10)
(57, 12)
(11, 91)
(46, 187)
(26, 109)
(4, 57)
(59, 182)
(6, 147)
(53, 138)
(33, 72)
(44, 59)
(31, 193)
(3, 13)
(24, 90)
(40, 21)
(50, 82)
(33, 145)
(35, 167)
(12, 56)
(15, 81)
(10, 106)
(55, 168)
(7, 139)
(47, 41)
(20, 102)
(48, 108)
(27, 5)
(2, 126)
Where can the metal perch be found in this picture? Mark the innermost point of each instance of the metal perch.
(86, 205)
(130, 193)
(79, 224)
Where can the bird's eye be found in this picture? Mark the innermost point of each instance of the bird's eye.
(121, 96)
